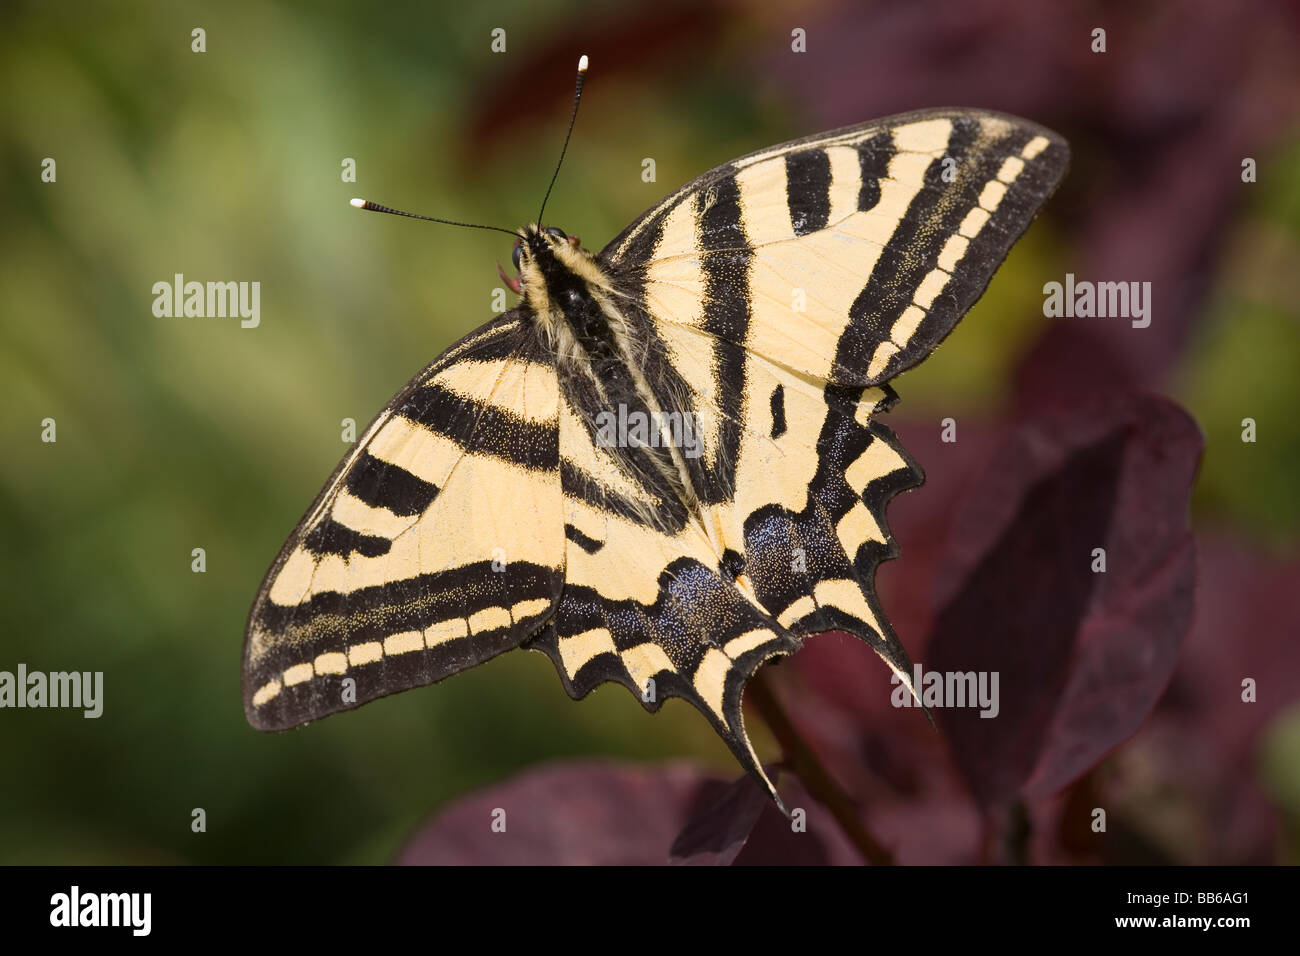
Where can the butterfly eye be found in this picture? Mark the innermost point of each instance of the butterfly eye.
(557, 233)
(517, 254)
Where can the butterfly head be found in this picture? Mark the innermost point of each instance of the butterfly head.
(542, 256)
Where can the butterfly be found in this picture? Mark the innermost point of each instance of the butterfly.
(664, 467)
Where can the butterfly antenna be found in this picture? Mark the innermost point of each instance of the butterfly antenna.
(375, 207)
(577, 97)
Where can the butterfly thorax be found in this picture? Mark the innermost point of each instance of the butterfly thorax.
(564, 288)
(600, 346)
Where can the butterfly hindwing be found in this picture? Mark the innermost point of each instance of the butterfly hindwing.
(646, 603)
(692, 611)
(437, 544)
(814, 472)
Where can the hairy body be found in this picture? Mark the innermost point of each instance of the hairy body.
(587, 316)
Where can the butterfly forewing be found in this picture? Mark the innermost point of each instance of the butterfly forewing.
(438, 543)
(847, 256)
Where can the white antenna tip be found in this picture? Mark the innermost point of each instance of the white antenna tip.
(359, 203)
(582, 64)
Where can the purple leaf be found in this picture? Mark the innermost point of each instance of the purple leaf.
(1081, 657)
(567, 814)
(591, 813)
(774, 841)
(889, 759)
(716, 836)
(1067, 364)
(740, 826)
(1195, 763)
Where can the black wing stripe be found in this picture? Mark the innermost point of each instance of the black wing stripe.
(778, 411)
(498, 339)
(585, 542)
(726, 255)
(907, 258)
(383, 485)
(954, 234)
(874, 155)
(426, 632)
(409, 604)
(808, 190)
(493, 431)
(330, 537)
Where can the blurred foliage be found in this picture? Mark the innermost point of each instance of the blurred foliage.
(1244, 363)
(182, 433)
(1281, 772)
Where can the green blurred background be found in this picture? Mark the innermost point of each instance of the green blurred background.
(182, 433)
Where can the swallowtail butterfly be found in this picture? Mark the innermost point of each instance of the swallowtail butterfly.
(664, 466)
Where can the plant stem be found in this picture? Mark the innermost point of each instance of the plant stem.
(805, 765)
